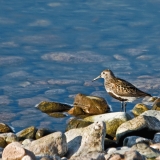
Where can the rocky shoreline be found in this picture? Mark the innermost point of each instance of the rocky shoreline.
(93, 132)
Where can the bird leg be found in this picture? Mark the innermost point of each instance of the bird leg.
(123, 106)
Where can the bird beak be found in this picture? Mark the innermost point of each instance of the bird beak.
(96, 78)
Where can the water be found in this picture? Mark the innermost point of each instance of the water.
(51, 50)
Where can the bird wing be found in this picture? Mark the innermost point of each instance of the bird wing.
(124, 88)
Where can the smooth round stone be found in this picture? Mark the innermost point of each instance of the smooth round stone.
(156, 105)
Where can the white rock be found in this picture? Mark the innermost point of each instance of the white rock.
(82, 141)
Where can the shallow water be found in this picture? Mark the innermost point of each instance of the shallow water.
(51, 50)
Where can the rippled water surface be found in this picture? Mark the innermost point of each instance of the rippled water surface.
(51, 50)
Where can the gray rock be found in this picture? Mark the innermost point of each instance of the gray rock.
(112, 120)
(133, 155)
(49, 145)
(156, 138)
(145, 150)
(149, 120)
(132, 140)
(82, 141)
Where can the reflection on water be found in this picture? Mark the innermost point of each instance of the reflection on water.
(52, 50)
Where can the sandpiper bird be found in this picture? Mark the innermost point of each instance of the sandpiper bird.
(120, 89)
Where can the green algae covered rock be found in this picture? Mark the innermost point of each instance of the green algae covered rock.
(57, 115)
(91, 104)
(4, 128)
(77, 123)
(139, 109)
(27, 133)
(112, 121)
(49, 107)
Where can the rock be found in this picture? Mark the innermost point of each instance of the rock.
(55, 157)
(57, 115)
(13, 151)
(132, 140)
(90, 156)
(156, 138)
(145, 150)
(155, 146)
(115, 156)
(108, 143)
(77, 123)
(4, 128)
(27, 133)
(49, 107)
(133, 155)
(27, 157)
(91, 104)
(2, 142)
(112, 120)
(76, 111)
(42, 132)
(49, 145)
(9, 137)
(139, 109)
(156, 105)
(147, 121)
(82, 141)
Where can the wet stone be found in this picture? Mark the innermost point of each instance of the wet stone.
(57, 115)
(77, 123)
(27, 133)
(156, 105)
(76, 111)
(42, 132)
(139, 109)
(49, 107)
(91, 104)
(5, 128)
(2, 142)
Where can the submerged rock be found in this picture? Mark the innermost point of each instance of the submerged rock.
(57, 115)
(82, 141)
(49, 107)
(91, 104)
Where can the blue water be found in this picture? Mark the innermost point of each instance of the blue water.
(51, 50)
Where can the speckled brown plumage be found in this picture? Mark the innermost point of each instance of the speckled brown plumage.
(120, 89)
